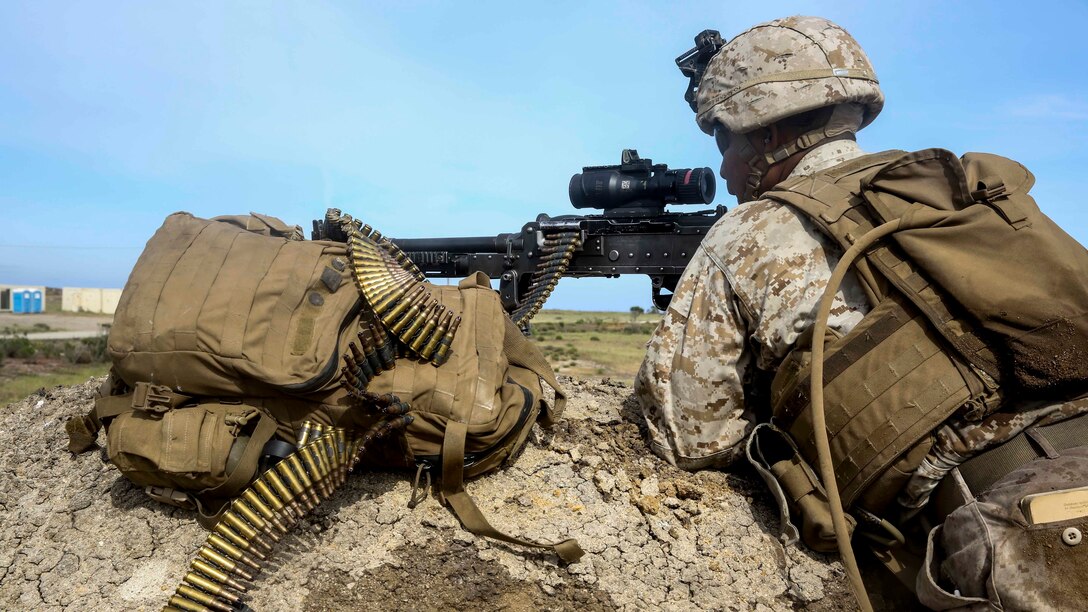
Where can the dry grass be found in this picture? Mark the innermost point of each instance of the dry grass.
(585, 344)
(17, 387)
(594, 344)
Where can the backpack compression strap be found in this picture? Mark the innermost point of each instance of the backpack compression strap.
(453, 493)
(520, 352)
(83, 431)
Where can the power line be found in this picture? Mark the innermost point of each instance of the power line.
(67, 247)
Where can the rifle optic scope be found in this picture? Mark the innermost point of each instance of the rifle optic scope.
(638, 182)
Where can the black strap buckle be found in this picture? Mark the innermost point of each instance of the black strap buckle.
(155, 398)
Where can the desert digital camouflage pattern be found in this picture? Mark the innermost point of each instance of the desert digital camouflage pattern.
(960, 438)
(783, 68)
(746, 297)
(990, 556)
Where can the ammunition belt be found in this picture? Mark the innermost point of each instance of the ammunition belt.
(557, 251)
(401, 304)
(240, 543)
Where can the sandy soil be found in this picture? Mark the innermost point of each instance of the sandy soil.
(79, 537)
(56, 321)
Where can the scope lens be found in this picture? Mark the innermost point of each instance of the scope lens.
(695, 186)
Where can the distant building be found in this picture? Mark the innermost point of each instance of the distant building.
(80, 299)
(22, 299)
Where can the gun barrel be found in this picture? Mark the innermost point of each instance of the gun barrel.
(474, 244)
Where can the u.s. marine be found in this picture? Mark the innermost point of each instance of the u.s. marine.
(938, 426)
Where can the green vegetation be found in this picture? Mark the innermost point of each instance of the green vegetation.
(594, 343)
(27, 365)
(14, 344)
(17, 388)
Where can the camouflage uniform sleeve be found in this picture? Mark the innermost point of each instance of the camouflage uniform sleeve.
(746, 299)
(690, 384)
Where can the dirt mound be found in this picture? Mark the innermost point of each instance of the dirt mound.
(78, 536)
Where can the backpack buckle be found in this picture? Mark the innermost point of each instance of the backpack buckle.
(170, 496)
(155, 398)
(989, 188)
(413, 499)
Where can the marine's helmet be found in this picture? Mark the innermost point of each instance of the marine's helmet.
(783, 68)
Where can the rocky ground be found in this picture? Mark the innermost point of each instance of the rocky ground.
(76, 536)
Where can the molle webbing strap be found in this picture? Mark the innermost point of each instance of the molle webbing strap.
(854, 347)
(893, 383)
(983, 470)
(453, 492)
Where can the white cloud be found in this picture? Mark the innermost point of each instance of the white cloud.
(1047, 106)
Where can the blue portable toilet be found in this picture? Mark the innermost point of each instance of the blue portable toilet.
(20, 301)
(27, 300)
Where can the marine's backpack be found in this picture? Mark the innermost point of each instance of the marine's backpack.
(980, 306)
(236, 341)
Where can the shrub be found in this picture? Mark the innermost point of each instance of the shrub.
(15, 344)
(89, 350)
(594, 339)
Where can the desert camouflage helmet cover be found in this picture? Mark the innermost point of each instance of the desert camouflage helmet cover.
(782, 68)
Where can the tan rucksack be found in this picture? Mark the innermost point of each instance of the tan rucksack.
(979, 302)
(233, 333)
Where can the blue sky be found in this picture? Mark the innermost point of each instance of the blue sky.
(448, 119)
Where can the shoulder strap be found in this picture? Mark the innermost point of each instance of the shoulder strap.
(520, 352)
(839, 201)
(83, 430)
(454, 494)
(523, 353)
(831, 200)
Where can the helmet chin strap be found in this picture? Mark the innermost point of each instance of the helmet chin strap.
(845, 118)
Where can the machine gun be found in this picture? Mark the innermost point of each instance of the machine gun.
(633, 235)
